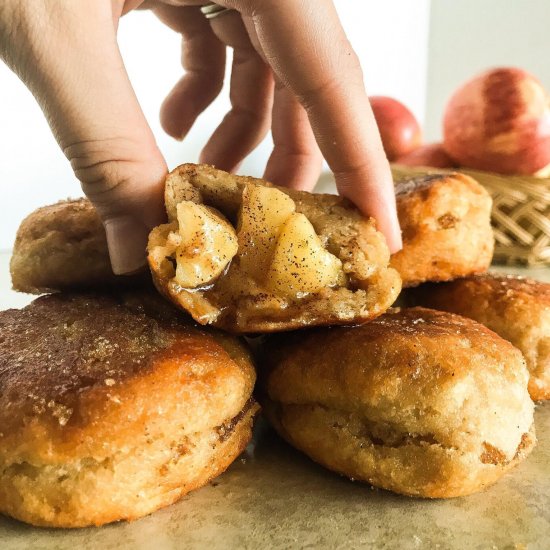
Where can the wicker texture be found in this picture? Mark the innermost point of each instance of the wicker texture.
(520, 216)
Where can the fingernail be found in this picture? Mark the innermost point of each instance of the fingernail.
(127, 241)
(395, 241)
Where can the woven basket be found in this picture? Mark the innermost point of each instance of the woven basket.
(520, 216)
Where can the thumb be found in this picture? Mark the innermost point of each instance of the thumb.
(68, 56)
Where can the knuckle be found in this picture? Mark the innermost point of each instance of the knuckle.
(312, 95)
(118, 171)
(207, 80)
(341, 76)
(252, 116)
(100, 165)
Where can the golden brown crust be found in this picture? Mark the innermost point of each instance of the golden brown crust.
(416, 401)
(229, 304)
(131, 485)
(62, 246)
(409, 464)
(121, 399)
(445, 220)
(516, 308)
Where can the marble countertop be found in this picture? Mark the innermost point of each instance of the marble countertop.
(274, 497)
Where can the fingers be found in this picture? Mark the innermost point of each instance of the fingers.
(95, 117)
(296, 160)
(251, 96)
(307, 48)
(203, 59)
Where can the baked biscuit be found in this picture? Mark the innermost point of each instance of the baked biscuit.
(515, 308)
(417, 401)
(245, 256)
(114, 406)
(446, 226)
(61, 246)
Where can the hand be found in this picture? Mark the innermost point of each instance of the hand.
(292, 63)
(65, 51)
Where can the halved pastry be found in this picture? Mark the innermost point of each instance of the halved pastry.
(246, 256)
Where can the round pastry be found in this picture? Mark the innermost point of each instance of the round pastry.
(446, 226)
(60, 246)
(515, 308)
(417, 401)
(63, 246)
(112, 407)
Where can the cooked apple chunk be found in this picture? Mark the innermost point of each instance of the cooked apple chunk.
(295, 260)
(263, 213)
(207, 243)
(197, 248)
(279, 248)
(300, 262)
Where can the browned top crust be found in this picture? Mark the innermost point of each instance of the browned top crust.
(77, 219)
(81, 372)
(516, 308)
(419, 183)
(510, 286)
(430, 347)
(446, 224)
(488, 290)
(372, 286)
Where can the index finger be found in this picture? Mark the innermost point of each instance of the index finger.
(307, 48)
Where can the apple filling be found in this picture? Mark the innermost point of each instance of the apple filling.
(195, 249)
(279, 248)
(204, 244)
(274, 245)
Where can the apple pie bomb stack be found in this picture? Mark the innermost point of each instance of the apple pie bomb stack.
(115, 402)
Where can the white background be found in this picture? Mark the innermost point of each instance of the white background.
(390, 37)
(414, 50)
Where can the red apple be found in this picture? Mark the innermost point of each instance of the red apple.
(433, 155)
(499, 121)
(399, 129)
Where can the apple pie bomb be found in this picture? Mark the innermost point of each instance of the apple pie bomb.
(246, 256)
